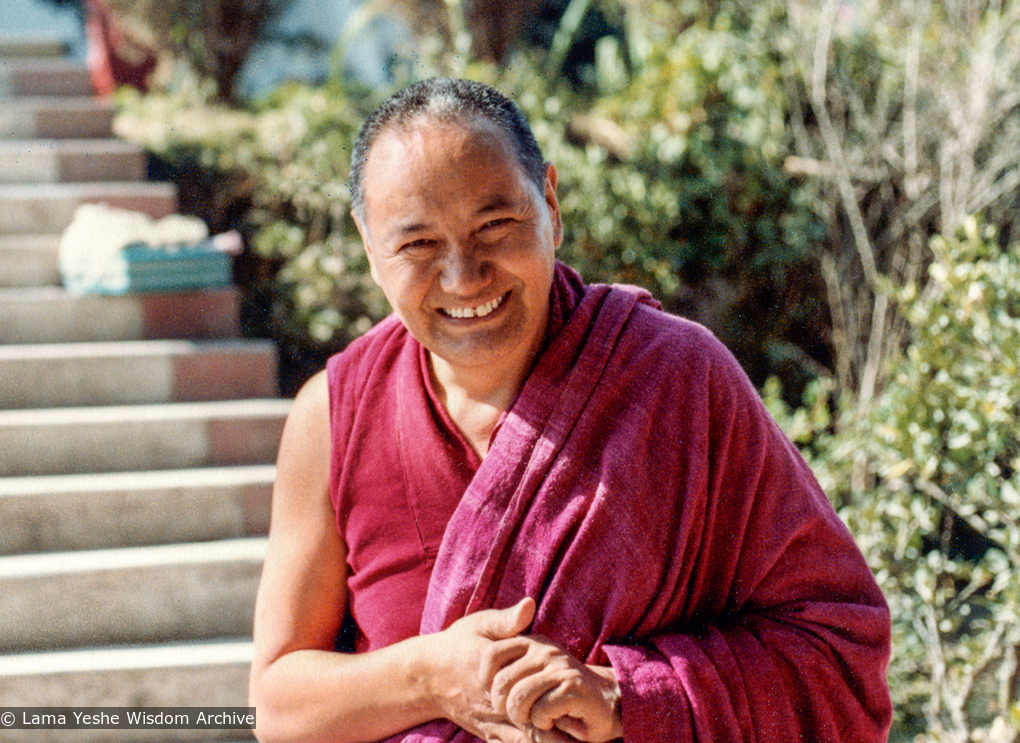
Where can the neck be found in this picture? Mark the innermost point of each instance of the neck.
(475, 398)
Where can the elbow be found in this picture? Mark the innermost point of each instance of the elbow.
(262, 731)
(282, 715)
(270, 726)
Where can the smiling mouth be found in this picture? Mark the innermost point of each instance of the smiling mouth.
(480, 311)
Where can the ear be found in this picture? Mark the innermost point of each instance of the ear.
(553, 204)
(363, 231)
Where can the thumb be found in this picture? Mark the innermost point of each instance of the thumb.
(501, 624)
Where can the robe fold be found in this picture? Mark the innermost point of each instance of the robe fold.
(641, 493)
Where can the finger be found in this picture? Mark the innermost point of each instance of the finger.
(577, 709)
(567, 707)
(498, 655)
(500, 624)
(523, 695)
(502, 732)
(557, 704)
(572, 727)
(551, 736)
(535, 660)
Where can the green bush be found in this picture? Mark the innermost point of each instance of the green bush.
(672, 177)
(670, 170)
(938, 510)
(948, 457)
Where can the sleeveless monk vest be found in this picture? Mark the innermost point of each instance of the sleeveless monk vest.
(399, 467)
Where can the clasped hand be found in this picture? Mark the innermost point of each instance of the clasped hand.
(523, 688)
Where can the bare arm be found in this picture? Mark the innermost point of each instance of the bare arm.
(303, 691)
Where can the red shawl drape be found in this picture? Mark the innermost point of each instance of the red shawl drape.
(641, 493)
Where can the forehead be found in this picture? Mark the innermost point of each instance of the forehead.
(427, 148)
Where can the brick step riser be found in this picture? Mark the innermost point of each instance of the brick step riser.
(162, 443)
(50, 315)
(87, 512)
(55, 118)
(22, 48)
(212, 684)
(29, 260)
(192, 592)
(55, 161)
(183, 372)
(43, 77)
(71, 616)
(50, 208)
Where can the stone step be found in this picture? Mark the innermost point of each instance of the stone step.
(29, 47)
(68, 441)
(52, 315)
(62, 513)
(210, 674)
(29, 260)
(137, 372)
(71, 161)
(160, 593)
(49, 208)
(56, 118)
(50, 77)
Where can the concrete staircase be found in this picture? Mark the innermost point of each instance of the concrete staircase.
(137, 436)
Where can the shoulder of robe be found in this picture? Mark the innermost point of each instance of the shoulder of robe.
(678, 339)
(379, 347)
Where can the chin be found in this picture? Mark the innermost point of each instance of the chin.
(479, 352)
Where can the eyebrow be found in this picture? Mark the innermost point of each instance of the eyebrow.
(410, 229)
(498, 203)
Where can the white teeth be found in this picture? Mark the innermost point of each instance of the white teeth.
(481, 311)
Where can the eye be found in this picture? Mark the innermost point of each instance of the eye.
(420, 244)
(496, 229)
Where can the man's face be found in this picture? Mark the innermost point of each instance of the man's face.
(461, 242)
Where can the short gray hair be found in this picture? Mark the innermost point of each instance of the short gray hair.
(446, 99)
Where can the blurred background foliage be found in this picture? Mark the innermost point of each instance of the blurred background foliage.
(938, 513)
(831, 187)
(669, 145)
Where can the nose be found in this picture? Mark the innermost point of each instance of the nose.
(465, 270)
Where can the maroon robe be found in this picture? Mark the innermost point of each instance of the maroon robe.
(641, 493)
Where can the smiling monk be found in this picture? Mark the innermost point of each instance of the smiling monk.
(550, 511)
